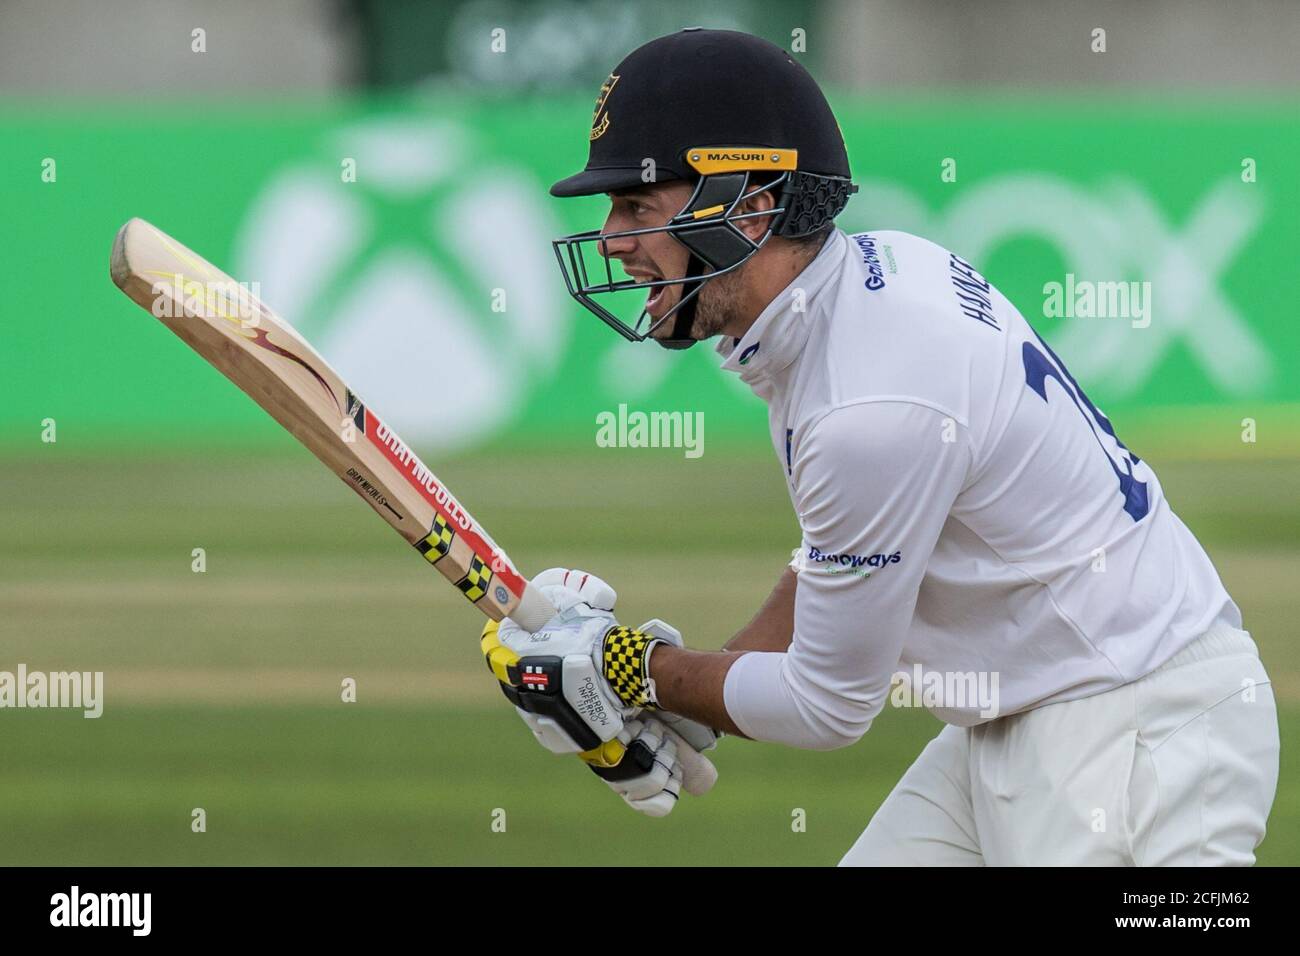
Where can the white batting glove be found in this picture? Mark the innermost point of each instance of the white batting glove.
(692, 738)
(553, 676)
(556, 678)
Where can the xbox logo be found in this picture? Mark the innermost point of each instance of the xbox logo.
(399, 274)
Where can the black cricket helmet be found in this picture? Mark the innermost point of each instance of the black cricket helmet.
(730, 113)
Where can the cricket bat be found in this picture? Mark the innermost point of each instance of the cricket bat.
(262, 354)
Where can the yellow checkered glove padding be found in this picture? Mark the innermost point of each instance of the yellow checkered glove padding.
(624, 654)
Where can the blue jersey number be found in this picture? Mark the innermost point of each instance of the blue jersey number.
(1038, 369)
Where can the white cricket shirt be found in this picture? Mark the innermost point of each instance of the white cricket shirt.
(964, 507)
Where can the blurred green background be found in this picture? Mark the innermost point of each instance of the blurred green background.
(379, 169)
(437, 259)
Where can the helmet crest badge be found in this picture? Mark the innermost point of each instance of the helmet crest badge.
(600, 123)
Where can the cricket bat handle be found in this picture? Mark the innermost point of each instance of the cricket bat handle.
(533, 610)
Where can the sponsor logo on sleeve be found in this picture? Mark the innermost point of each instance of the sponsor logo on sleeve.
(824, 562)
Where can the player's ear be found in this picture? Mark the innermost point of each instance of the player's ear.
(759, 202)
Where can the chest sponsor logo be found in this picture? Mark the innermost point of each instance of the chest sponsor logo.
(871, 259)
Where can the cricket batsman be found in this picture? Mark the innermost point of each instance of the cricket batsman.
(967, 514)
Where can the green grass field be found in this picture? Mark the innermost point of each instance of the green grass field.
(223, 688)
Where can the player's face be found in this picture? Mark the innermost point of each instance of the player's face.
(654, 255)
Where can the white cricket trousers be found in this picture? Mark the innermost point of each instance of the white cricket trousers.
(1178, 768)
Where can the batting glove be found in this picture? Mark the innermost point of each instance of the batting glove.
(581, 681)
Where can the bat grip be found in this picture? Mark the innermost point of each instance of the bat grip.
(533, 610)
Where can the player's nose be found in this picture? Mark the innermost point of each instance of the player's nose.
(614, 245)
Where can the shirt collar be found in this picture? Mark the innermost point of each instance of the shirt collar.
(781, 330)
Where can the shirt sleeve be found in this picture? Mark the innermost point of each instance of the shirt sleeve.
(873, 483)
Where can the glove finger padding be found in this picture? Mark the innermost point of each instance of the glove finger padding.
(698, 772)
(656, 755)
(649, 774)
(663, 802)
(592, 590)
(696, 734)
(693, 738)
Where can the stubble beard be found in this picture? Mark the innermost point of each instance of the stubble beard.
(715, 305)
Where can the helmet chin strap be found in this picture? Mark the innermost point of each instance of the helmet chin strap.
(685, 317)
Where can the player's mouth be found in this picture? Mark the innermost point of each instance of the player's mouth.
(657, 300)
